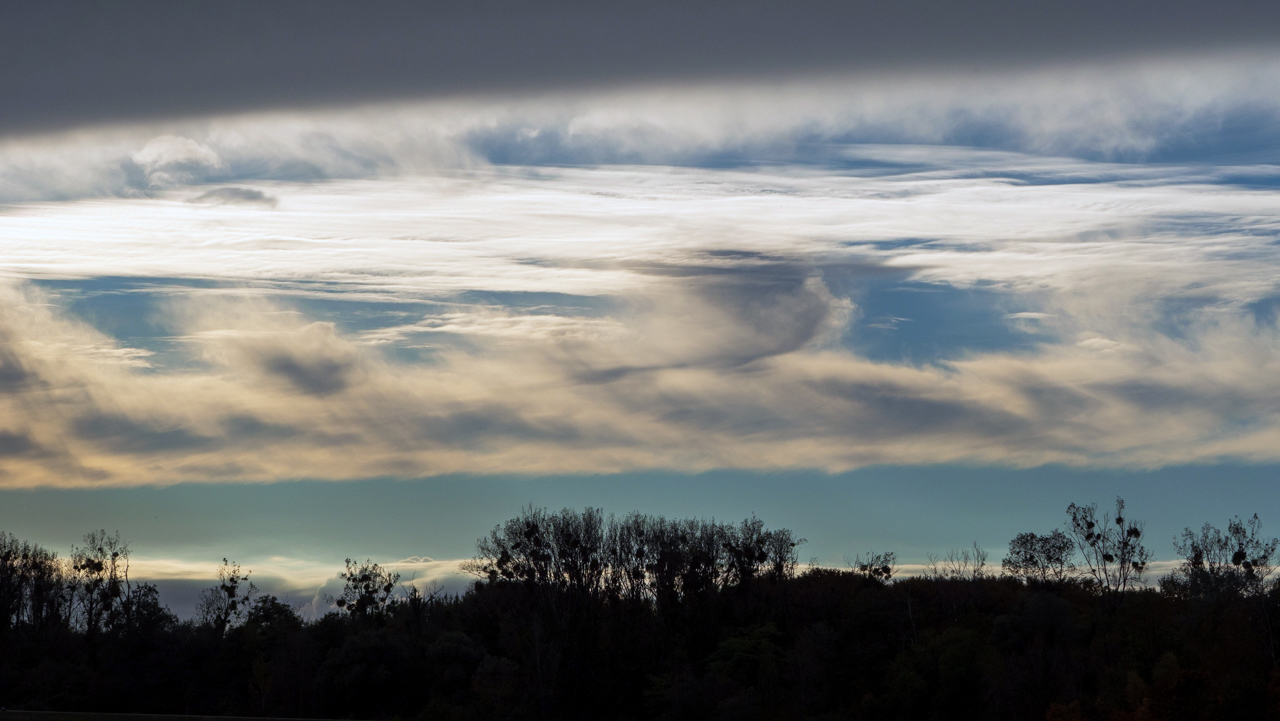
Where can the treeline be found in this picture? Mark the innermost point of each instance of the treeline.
(578, 615)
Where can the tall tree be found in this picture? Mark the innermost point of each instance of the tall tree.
(225, 605)
(100, 580)
(1111, 546)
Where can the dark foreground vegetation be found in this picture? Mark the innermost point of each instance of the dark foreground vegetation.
(579, 616)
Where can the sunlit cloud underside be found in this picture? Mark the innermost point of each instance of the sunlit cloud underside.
(573, 286)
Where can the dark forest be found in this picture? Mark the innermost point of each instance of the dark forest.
(578, 615)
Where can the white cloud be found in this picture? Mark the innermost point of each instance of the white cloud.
(1137, 110)
(729, 291)
(170, 160)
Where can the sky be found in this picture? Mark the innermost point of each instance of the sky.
(306, 281)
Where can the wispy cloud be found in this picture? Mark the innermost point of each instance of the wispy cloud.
(479, 287)
(1179, 109)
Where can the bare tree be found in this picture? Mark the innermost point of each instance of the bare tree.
(1237, 561)
(686, 558)
(32, 585)
(1111, 547)
(876, 566)
(519, 550)
(224, 606)
(629, 549)
(637, 557)
(578, 540)
(100, 580)
(969, 564)
(367, 590)
(751, 551)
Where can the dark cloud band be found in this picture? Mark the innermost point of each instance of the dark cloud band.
(70, 63)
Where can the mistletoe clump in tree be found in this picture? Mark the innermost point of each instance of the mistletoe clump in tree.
(1115, 559)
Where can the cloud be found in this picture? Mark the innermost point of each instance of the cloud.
(13, 376)
(1219, 108)
(727, 319)
(519, 319)
(13, 444)
(248, 196)
(311, 359)
(426, 575)
(300, 54)
(122, 434)
(688, 385)
(170, 160)
(303, 583)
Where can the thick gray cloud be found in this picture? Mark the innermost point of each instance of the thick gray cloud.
(12, 444)
(12, 375)
(311, 360)
(138, 437)
(67, 63)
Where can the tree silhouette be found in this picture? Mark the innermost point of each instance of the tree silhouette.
(969, 564)
(876, 566)
(579, 615)
(368, 588)
(33, 586)
(1238, 561)
(224, 606)
(1044, 558)
(99, 581)
(1114, 556)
